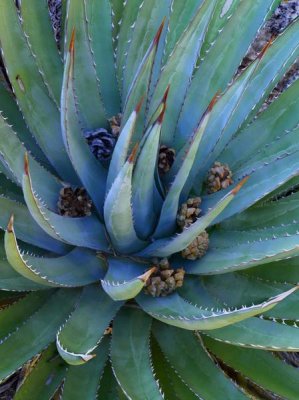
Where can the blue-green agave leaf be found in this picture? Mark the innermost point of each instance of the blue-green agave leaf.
(122, 146)
(80, 335)
(202, 375)
(31, 91)
(91, 109)
(118, 211)
(225, 56)
(167, 220)
(83, 231)
(125, 278)
(144, 182)
(179, 68)
(42, 325)
(62, 271)
(166, 247)
(82, 381)
(91, 173)
(130, 355)
(99, 25)
(175, 310)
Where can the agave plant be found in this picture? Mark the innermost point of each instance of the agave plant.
(150, 224)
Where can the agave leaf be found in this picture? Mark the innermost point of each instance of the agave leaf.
(124, 38)
(266, 215)
(121, 149)
(10, 190)
(283, 379)
(179, 67)
(82, 381)
(26, 228)
(224, 10)
(284, 271)
(175, 310)
(150, 19)
(91, 173)
(179, 18)
(91, 109)
(80, 335)
(109, 389)
(45, 377)
(238, 289)
(61, 271)
(39, 35)
(99, 24)
(167, 220)
(216, 128)
(166, 247)
(31, 92)
(247, 254)
(12, 156)
(125, 278)
(118, 211)
(13, 316)
(276, 123)
(225, 57)
(130, 355)
(259, 334)
(275, 63)
(14, 118)
(202, 376)
(42, 325)
(144, 178)
(12, 281)
(117, 13)
(170, 382)
(140, 84)
(84, 231)
(283, 167)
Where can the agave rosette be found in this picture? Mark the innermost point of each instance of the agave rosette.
(169, 68)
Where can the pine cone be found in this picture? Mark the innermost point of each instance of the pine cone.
(101, 143)
(219, 177)
(115, 123)
(198, 248)
(166, 159)
(189, 212)
(165, 280)
(74, 203)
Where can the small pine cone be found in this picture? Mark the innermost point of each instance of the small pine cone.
(115, 123)
(165, 280)
(101, 143)
(166, 159)
(74, 202)
(189, 212)
(219, 177)
(198, 248)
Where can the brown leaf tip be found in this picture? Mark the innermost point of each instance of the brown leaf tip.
(159, 32)
(147, 274)
(26, 164)
(164, 99)
(72, 42)
(139, 105)
(239, 185)
(10, 224)
(132, 156)
(266, 47)
(213, 102)
(163, 102)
